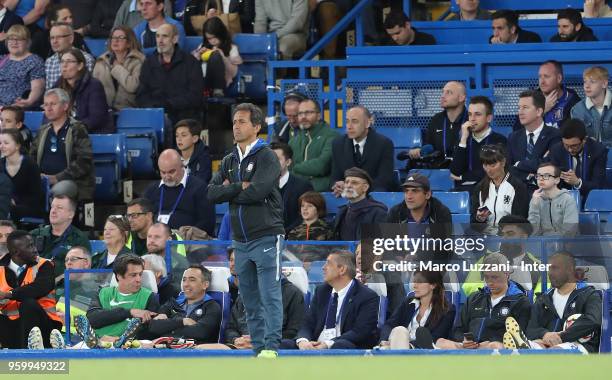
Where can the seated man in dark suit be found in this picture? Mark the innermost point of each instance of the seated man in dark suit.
(181, 197)
(291, 187)
(7, 20)
(527, 147)
(466, 168)
(343, 313)
(364, 148)
(582, 160)
(507, 31)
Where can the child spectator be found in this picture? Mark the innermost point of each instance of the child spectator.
(552, 211)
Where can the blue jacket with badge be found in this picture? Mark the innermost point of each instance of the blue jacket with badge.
(487, 322)
(256, 211)
(206, 313)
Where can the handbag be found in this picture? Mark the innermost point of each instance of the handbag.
(230, 20)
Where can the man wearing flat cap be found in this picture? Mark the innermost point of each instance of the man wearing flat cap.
(361, 209)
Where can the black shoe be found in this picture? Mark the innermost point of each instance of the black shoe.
(424, 339)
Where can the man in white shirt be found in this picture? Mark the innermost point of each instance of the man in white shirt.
(343, 313)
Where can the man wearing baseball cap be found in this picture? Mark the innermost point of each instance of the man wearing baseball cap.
(419, 206)
(361, 209)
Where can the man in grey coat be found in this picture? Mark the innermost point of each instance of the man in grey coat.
(288, 19)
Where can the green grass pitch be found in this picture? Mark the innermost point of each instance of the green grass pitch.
(341, 368)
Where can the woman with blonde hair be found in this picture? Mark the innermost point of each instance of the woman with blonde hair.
(119, 68)
(22, 74)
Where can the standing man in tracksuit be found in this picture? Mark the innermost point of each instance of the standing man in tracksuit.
(248, 180)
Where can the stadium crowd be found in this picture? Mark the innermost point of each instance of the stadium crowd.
(520, 185)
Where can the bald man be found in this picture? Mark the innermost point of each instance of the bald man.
(444, 127)
(171, 78)
(180, 199)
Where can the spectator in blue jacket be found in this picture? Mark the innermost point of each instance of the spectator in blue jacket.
(594, 109)
(153, 13)
(194, 153)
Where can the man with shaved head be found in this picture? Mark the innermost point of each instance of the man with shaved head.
(444, 127)
(180, 199)
(171, 79)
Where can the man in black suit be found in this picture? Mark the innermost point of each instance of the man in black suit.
(582, 160)
(527, 147)
(507, 31)
(343, 313)
(291, 187)
(7, 19)
(364, 148)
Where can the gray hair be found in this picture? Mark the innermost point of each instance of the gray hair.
(347, 259)
(61, 94)
(256, 115)
(157, 263)
(495, 258)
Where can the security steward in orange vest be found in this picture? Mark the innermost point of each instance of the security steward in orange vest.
(27, 293)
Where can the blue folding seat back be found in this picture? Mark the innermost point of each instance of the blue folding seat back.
(144, 129)
(332, 203)
(505, 131)
(403, 139)
(97, 46)
(380, 288)
(256, 51)
(439, 179)
(315, 272)
(457, 201)
(110, 160)
(461, 222)
(97, 246)
(46, 190)
(588, 223)
(220, 210)
(576, 195)
(33, 120)
(191, 43)
(390, 199)
(219, 291)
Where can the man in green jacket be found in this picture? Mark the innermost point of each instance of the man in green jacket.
(312, 146)
(56, 239)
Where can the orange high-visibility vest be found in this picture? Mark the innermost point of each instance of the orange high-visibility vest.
(11, 308)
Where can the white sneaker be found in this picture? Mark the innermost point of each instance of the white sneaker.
(57, 340)
(35, 340)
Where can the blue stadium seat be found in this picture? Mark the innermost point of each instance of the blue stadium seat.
(505, 131)
(97, 246)
(33, 120)
(600, 201)
(403, 139)
(332, 203)
(460, 223)
(191, 43)
(457, 201)
(46, 190)
(383, 302)
(390, 199)
(144, 130)
(439, 179)
(588, 223)
(256, 51)
(110, 160)
(315, 272)
(97, 46)
(219, 291)
(576, 195)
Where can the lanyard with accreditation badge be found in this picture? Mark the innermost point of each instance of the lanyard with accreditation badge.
(165, 218)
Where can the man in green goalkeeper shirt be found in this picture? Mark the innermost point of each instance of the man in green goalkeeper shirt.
(119, 311)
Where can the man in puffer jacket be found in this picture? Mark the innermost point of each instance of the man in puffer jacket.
(552, 211)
